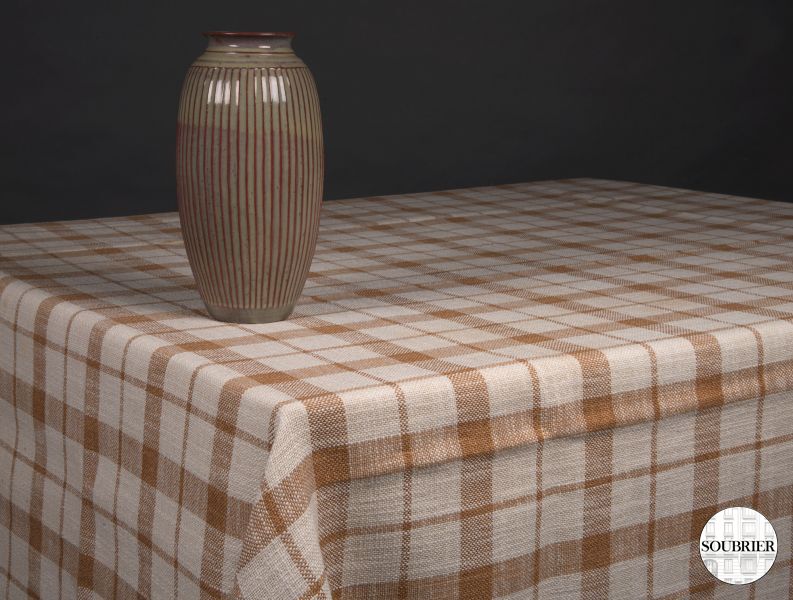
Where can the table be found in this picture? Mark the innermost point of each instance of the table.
(533, 390)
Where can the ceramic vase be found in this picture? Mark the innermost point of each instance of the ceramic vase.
(249, 174)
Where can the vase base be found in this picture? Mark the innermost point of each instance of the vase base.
(249, 315)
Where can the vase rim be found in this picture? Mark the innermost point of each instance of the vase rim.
(261, 34)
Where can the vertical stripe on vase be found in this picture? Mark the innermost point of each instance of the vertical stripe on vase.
(190, 167)
(296, 93)
(298, 105)
(225, 258)
(249, 167)
(287, 187)
(244, 182)
(259, 145)
(198, 209)
(275, 184)
(308, 160)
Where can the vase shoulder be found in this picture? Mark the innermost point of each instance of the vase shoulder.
(251, 61)
(249, 50)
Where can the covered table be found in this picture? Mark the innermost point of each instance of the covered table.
(534, 390)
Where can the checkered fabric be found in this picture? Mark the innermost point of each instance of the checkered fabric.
(535, 390)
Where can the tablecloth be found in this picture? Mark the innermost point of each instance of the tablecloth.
(531, 390)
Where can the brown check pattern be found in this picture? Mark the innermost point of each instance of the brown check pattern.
(531, 391)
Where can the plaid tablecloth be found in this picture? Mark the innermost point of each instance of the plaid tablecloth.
(535, 390)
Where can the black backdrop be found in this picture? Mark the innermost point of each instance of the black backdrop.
(415, 95)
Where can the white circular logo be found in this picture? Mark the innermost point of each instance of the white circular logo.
(738, 545)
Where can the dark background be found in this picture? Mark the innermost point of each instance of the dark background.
(415, 95)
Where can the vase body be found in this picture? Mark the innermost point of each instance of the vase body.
(250, 170)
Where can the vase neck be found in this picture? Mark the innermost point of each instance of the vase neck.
(249, 42)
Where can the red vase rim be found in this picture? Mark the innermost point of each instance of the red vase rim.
(262, 34)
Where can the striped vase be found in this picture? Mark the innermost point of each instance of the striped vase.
(249, 164)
